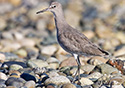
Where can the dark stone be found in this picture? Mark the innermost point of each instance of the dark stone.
(28, 77)
(17, 82)
(9, 63)
(49, 40)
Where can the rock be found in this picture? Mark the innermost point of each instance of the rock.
(2, 57)
(89, 34)
(28, 77)
(30, 84)
(11, 87)
(49, 50)
(21, 53)
(117, 86)
(27, 42)
(17, 35)
(70, 62)
(7, 35)
(120, 36)
(87, 68)
(53, 74)
(15, 3)
(31, 64)
(85, 81)
(74, 69)
(15, 63)
(3, 23)
(119, 51)
(39, 71)
(49, 40)
(6, 6)
(61, 57)
(94, 76)
(38, 63)
(51, 85)
(69, 85)
(117, 80)
(107, 69)
(3, 76)
(58, 80)
(96, 60)
(17, 82)
(15, 67)
(41, 27)
(54, 65)
(10, 46)
(52, 60)
(14, 72)
(2, 83)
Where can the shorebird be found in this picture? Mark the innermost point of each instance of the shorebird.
(70, 39)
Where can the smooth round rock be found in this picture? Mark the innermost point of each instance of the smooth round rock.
(38, 63)
(58, 80)
(17, 82)
(30, 84)
(2, 57)
(28, 77)
(51, 85)
(15, 67)
(49, 50)
(85, 81)
(108, 69)
(69, 85)
(3, 76)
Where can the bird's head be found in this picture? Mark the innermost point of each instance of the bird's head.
(54, 8)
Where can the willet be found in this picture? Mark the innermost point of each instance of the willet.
(70, 39)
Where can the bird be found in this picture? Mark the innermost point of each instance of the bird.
(70, 39)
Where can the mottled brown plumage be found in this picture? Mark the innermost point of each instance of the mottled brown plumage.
(70, 39)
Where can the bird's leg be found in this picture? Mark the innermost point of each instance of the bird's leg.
(78, 70)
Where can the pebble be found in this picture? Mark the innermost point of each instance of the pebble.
(3, 23)
(117, 86)
(95, 76)
(17, 82)
(18, 36)
(27, 42)
(21, 53)
(38, 63)
(58, 80)
(51, 85)
(3, 76)
(30, 84)
(107, 69)
(15, 67)
(117, 80)
(7, 35)
(49, 50)
(96, 60)
(85, 81)
(70, 62)
(2, 57)
(69, 85)
(53, 74)
(119, 51)
(87, 68)
(28, 77)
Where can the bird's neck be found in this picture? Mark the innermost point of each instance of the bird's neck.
(60, 22)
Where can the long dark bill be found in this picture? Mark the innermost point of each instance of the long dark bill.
(42, 11)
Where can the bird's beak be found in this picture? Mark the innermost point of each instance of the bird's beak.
(41, 11)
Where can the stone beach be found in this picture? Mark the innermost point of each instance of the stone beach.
(30, 56)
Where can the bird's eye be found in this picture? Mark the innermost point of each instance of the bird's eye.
(54, 6)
